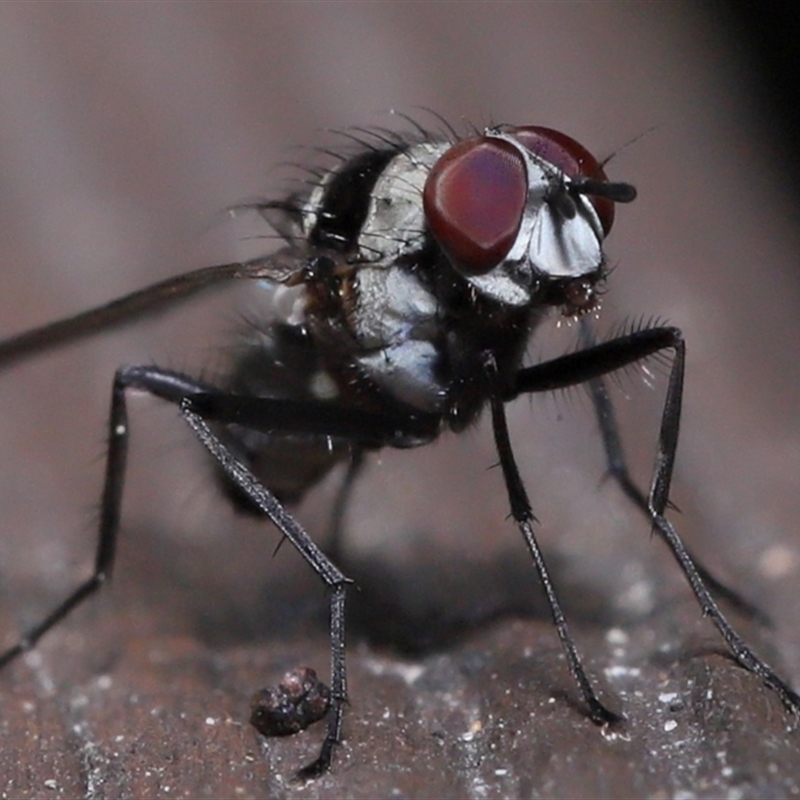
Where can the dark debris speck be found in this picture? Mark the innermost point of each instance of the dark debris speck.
(299, 700)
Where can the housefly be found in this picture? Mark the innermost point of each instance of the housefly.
(412, 276)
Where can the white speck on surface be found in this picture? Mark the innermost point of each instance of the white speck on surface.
(611, 735)
(638, 598)
(667, 697)
(501, 772)
(409, 672)
(670, 725)
(617, 636)
(621, 671)
(51, 783)
(777, 561)
(475, 727)
(79, 701)
(210, 721)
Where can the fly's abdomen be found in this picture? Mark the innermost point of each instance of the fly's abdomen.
(282, 363)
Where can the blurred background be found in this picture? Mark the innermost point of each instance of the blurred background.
(127, 129)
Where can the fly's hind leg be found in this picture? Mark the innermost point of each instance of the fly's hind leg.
(170, 386)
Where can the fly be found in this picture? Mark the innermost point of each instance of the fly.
(411, 279)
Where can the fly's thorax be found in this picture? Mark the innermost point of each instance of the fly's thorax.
(397, 323)
(372, 203)
(415, 335)
(395, 224)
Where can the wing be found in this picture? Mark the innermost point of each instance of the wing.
(281, 267)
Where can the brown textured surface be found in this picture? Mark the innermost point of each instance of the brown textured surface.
(123, 130)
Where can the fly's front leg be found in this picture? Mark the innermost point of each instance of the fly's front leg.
(593, 363)
(657, 503)
(523, 515)
(617, 470)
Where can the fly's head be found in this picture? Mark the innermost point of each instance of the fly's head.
(521, 213)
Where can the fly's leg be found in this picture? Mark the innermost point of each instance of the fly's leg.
(523, 516)
(319, 562)
(657, 503)
(600, 359)
(354, 467)
(617, 470)
(147, 302)
(198, 402)
(172, 386)
(365, 430)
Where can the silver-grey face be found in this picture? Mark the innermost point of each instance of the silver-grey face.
(548, 244)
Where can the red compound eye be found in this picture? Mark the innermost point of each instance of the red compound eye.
(571, 157)
(474, 198)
